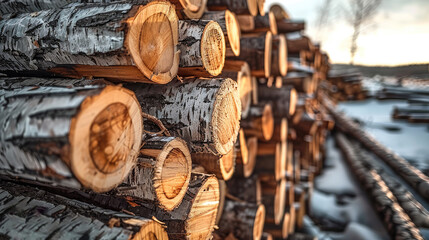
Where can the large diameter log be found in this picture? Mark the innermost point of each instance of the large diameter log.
(118, 41)
(230, 27)
(30, 213)
(290, 26)
(273, 198)
(243, 220)
(68, 133)
(246, 189)
(255, 24)
(243, 169)
(240, 72)
(260, 122)
(272, 159)
(222, 166)
(283, 100)
(279, 57)
(202, 46)
(162, 172)
(212, 103)
(256, 51)
(418, 180)
(237, 6)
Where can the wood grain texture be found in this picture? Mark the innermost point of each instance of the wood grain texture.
(68, 132)
(203, 112)
(105, 36)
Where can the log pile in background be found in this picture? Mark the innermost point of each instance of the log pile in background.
(345, 86)
(231, 140)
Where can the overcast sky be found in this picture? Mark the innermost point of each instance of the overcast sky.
(399, 34)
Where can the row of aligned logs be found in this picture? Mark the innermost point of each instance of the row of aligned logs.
(157, 119)
(345, 86)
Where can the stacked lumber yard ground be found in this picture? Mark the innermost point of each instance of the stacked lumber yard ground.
(157, 120)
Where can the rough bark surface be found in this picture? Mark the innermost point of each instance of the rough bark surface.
(39, 117)
(203, 112)
(36, 214)
(283, 100)
(288, 26)
(246, 189)
(237, 6)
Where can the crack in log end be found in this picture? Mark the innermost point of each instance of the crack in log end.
(111, 138)
(201, 219)
(225, 122)
(213, 48)
(105, 138)
(152, 41)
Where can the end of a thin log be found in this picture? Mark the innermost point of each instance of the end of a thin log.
(280, 130)
(253, 7)
(279, 12)
(242, 150)
(293, 101)
(152, 41)
(105, 138)
(282, 55)
(260, 122)
(273, 197)
(258, 225)
(193, 9)
(222, 166)
(172, 170)
(233, 31)
(261, 9)
(268, 53)
(213, 48)
(273, 23)
(252, 145)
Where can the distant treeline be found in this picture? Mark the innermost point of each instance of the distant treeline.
(417, 70)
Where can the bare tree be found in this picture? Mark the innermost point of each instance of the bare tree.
(359, 15)
(324, 11)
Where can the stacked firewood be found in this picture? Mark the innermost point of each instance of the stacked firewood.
(345, 86)
(155, 119)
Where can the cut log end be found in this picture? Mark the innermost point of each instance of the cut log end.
(174, 162)
(253, 7)
(282, 55)
(233, 32)
(244, 151)
(258, 225)
(226, 116)
(193, 9)
(150, 230)
(245, 88)
(279, 12)
(152, 41)
(273, 23)
(105, 138)
(292, 102)
(283, 130)
(252, 146)
(213, 48)
(268, 54)
(286, 225)
(227, 165)
(267, 122)
(202, 217)
(279, 201)
(261, 9)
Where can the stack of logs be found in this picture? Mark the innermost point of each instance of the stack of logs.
(155, 119)
(345, 86)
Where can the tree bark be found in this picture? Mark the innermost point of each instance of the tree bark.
(279, 57)
(256, 50)
(246, 189)
(257, 24)
(272, 159)
(289, 26)
(259, 123)
(302, 82)
(36, 214)
(297, 43)
(283, 100)
(230, 27)
(273, 198)
(113, 41)
(162, 173)
(240, 72)
(202, 47)
(213, 103)
(243, 220)
(237, 6)
(68, 132)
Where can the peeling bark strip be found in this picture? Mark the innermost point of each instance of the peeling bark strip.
(203, 112)
(256, 50)
(162, 173)
(260, 122)
(119, 41)
(31, 213)
(283, 100)
(230, 27)
(236, 6)
(243, 220)
(412, 175)
(68, 133)
(202, 46)
(397, 222)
